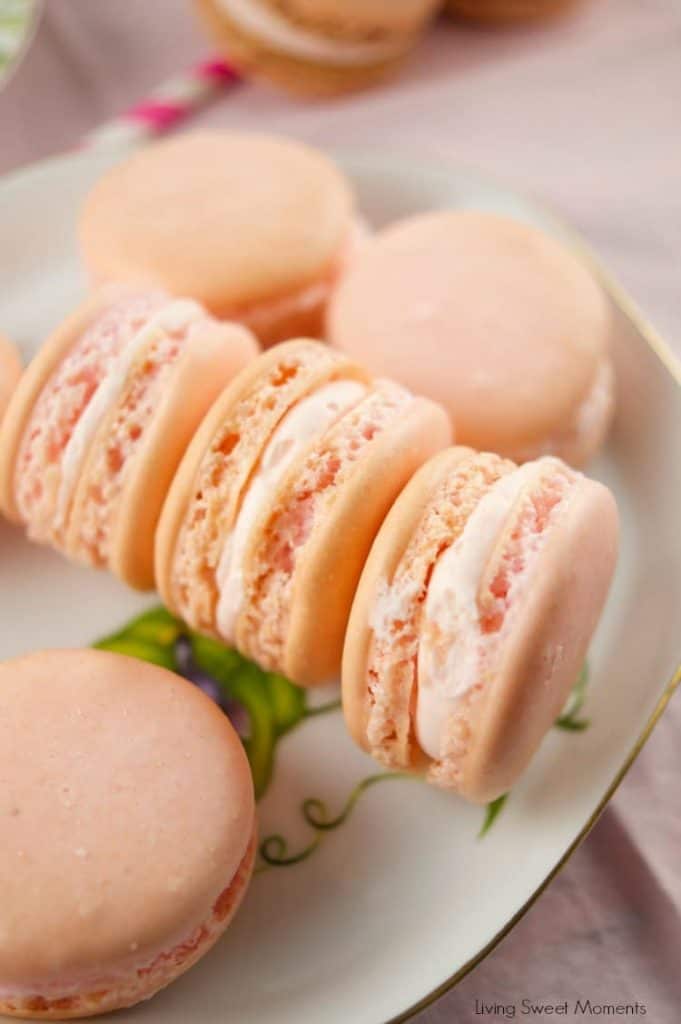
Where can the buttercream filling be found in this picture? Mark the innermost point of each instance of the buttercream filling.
(272, 28)
(452, 647)
(305, 421)
(173, 318)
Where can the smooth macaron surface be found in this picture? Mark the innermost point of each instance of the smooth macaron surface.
(234, 220)
(495, 320)
(129, 815)
(102, 417)
(473, 616)
(10, 371)
(272, 513)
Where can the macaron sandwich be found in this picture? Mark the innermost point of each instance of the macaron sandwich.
(317, 47)
(257, 228)
(128, 835)
(100, 419)
(473, 616)
(272, 512)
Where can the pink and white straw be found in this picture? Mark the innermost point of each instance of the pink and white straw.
(172, 102)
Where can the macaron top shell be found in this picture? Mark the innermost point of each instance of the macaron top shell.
(231, 219)
(495, 319)
(128, 808)
(10, 371)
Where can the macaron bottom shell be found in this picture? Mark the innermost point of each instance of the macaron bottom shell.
(145, 981)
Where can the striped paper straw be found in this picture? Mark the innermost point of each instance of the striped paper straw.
(169, 104)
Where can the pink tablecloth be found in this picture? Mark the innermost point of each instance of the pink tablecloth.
(586, 114)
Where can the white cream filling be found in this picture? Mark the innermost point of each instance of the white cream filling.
(174, 317)
(272, 28)
(305, 421)
(451, 645)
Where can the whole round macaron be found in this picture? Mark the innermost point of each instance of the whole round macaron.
(318, 47)
(10, 371)
(473, 616)
(128, 831)
(495, 320)
(490, 11)
(255, 227)
(273, 510)
(101, 417)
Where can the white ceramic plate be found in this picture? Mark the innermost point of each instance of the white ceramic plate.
(401, 899)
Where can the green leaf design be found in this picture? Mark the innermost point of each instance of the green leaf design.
(569, 720)
(156, 628)
(286, 701)
(139, 649)
(493, 811)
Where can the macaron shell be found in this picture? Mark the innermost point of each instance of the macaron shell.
(208, 363)
(325, 366)
(109, 878)
(10, 372)
(32, 382)
(498, 322)
(197, 215)
(560, 612)
(142, 984)
(384, 557)
(314, 641)
(507, 10)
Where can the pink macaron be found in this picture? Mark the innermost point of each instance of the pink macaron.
(474, 614)
(256, 227)
(101, 418)
(128, 831)
(499, 322)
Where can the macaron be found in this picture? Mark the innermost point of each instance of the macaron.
(273, 510)
(473, 616)
(128, 831)
(496, 320)
(317, 47)
(490, 11)
(257, 228)
(101, 418)
(10, 371)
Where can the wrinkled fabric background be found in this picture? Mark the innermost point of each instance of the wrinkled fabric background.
(585, 114)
